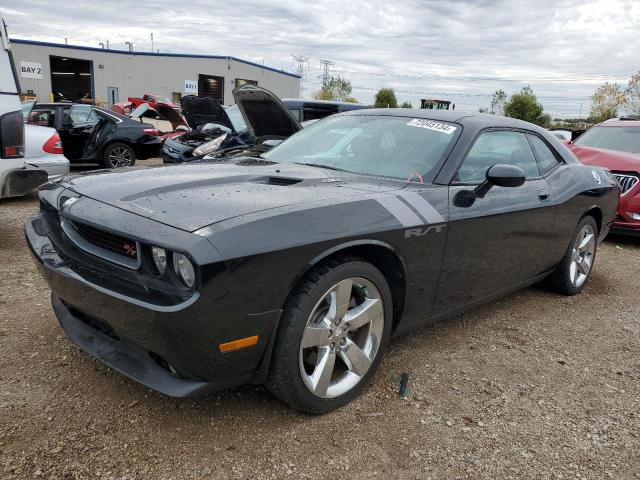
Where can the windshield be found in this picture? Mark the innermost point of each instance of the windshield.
(399, 147)
(236, 118)
(624, 139)
(163, 100)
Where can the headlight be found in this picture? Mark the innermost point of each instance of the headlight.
(159, 259)
(184, 269)
(209, 147)
(635, 216)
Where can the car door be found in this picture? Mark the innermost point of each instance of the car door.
(498, 242)
(77, 130)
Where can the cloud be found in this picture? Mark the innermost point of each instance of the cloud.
(460, 50)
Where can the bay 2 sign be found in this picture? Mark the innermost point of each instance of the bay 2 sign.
(31, 70)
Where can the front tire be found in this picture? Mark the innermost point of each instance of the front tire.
(118, 155)
(332, 336)
(574, 271)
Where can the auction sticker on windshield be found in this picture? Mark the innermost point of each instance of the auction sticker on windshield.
(431, 125)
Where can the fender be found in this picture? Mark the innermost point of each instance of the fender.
(345, 246)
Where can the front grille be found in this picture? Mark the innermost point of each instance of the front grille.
(626, 181)
(108, 246)
(106, 240)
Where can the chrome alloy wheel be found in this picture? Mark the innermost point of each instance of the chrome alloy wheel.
(582, 256)
(341, 338)
(120, 157)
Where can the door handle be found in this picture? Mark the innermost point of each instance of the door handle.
(543, 195)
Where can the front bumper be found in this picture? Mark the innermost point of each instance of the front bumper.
(626, 228)
(176, 152)
(171, 348)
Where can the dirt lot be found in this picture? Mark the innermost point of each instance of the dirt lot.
(533, 386)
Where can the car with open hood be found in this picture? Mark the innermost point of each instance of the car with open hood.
(257, 116)
(615, 144)
(296, 267)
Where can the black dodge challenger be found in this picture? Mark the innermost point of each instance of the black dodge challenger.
(296, 267)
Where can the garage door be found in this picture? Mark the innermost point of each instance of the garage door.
(211, 86)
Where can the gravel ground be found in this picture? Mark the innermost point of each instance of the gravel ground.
(532, 386)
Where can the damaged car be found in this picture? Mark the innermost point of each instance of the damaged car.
(295, 269)
(257, 116)
(93, 135)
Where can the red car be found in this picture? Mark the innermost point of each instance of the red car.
(153, 101)
(615, 144)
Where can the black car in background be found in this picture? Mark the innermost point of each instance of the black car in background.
(270, 119)
(93, 135)
(295, 268)
(305, 110)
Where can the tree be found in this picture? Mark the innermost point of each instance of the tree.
(497, 102)
(334, 88)
(606, 101)
(633, 95)
(386, 98)
(524, 105)
(351, 100)
(406, 105)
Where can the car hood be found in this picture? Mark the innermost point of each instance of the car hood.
(193, 196)
(265, 115)
(611, 159)
(199, 111)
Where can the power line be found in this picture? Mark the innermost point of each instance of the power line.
(326, 65)
(301, 60)
(451, 94)
(565, 78)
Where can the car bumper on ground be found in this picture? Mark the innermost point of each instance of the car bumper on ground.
(172, 349)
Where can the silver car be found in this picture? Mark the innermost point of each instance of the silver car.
(43, 148)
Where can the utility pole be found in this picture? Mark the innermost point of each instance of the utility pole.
(302, 61)
(152, 42)
(326, 66)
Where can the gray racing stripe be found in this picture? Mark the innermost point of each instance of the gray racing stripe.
(399, 210)
(423, 207)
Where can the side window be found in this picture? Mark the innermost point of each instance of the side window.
(45, 118)
(490, 148)
(82, 114)
(546, 159)
(296, 113)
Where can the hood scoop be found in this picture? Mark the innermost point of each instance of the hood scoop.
(279, 181)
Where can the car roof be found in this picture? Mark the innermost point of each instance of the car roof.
(620, 123)
(311, 101)
(60, 104)
(479, 120)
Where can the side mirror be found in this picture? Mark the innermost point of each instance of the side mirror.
(500, 175)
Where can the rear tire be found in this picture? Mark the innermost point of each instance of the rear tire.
(118, 155)
(573, 272)
(332, 335)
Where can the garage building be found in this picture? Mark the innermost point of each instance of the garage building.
(54, 72)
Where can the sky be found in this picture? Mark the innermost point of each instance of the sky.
(458, 50)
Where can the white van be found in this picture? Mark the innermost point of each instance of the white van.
(16, 178)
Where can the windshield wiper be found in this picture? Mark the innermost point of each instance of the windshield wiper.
(319, 165)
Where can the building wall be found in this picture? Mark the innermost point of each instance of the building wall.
(140, 73)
